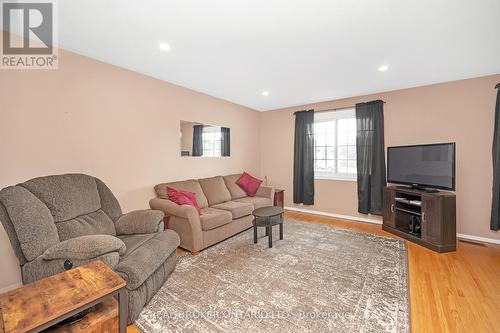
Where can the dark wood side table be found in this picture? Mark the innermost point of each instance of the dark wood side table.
(267, 217)
(104, 319)
(279, 198)
(44, 303)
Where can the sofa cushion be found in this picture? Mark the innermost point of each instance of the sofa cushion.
(215, 190)
(67, 196)
(141, 261)
(191, 185)
(11, 232)
(85, 247)
(109, 203)
(237, 209)
(257, 202)
(235, 191)
(212, 218)
(31, 220)
(132, 242)
(96, 223)
(40, 268)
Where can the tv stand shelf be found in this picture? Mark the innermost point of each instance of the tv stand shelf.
(436, 212)
(409, 202)
(409, 211)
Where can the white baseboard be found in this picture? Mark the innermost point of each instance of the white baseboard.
(364, 219)
(339, 216)
(479, 239)
(10, 287)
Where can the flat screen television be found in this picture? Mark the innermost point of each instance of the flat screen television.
(422, 166)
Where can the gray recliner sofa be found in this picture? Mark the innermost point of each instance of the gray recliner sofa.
(74, 217)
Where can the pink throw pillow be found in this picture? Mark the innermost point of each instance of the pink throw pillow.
(249, 184)
(181, 197)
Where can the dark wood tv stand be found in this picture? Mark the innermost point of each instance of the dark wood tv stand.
(436, 211)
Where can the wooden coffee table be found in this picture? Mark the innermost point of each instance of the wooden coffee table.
(268, 217)
(44, 303)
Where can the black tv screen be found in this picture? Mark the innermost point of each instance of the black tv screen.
(431, 165)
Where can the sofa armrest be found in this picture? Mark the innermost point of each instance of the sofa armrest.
(39, 268)
(266, 192)
(140, 222)
(85, 248)
(185, 220)
(171, 208)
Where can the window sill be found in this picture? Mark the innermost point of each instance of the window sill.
(335, 178)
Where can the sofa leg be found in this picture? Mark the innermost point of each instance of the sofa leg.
(195, 253)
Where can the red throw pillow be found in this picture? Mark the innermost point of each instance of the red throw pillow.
(249, 184)
(181, 197)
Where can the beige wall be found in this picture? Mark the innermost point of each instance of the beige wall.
(460, 111)
(123, 127)
(118, 125)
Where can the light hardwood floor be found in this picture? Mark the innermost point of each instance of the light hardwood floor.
(449, 292)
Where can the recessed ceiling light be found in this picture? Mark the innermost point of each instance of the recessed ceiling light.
(164, 46)
(265, 93)
(383, 68)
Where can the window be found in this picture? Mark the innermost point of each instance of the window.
(211, 141)
(335, 145)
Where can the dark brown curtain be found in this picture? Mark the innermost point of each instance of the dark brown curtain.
(495, 205)
(303, 159)
(370, 156)
(198, 140)
(225, 141)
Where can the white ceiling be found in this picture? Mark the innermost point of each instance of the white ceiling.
(301, 51)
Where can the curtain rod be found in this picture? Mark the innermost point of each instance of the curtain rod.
(338, 109)
(498, 85)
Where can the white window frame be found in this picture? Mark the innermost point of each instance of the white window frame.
(211, 131)
(329, 116)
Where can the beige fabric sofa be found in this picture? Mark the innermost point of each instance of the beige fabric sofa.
(226, 210)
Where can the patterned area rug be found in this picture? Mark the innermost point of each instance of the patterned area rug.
(318, 279)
